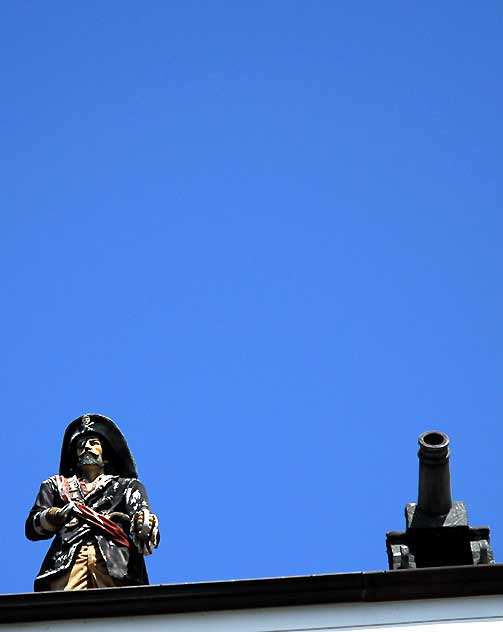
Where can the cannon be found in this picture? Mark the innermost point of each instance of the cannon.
(437, 530)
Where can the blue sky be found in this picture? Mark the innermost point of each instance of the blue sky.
(265, 238)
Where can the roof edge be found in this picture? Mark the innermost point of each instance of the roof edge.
(368, 586)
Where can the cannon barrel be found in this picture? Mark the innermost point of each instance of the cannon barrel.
(434, 494)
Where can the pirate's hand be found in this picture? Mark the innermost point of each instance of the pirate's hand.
(122, 519)
(54, 518)
(145, 531)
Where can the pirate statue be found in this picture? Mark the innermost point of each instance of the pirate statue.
(98, 511)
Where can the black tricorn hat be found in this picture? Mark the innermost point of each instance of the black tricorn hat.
(117, 453)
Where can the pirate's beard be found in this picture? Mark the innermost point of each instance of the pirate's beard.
(88, 458)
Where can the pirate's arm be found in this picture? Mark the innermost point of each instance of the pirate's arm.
(144, 530)
(45, 517)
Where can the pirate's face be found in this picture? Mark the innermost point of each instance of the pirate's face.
(90, 450)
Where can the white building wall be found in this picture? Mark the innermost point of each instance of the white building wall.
(460, 614)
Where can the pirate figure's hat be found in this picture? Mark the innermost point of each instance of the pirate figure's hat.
(117, 454)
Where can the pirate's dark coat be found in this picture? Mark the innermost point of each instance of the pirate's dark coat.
(112, 493)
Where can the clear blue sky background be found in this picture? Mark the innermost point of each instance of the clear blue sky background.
(265, 238)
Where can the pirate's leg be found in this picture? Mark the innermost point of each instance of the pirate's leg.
(76, 577)
(98, 573)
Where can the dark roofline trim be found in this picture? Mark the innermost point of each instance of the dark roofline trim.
(424, 583)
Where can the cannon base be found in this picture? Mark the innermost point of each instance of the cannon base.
(445, 540)
(415, 518)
